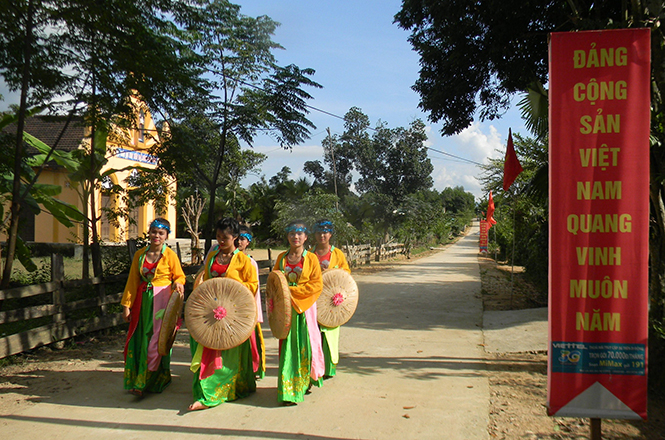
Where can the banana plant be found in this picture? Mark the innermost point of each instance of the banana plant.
(33, 195)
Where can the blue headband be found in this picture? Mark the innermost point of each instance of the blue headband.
(325, 226)
(160, 225)
(296, 228)
(247, 235)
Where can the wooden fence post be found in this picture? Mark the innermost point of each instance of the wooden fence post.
(58, 275)
(177, 247)
(131, 249)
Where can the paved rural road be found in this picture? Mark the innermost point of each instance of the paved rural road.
(411, 367)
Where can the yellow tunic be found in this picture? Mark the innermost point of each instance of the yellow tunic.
(240, 269)
(309, 287)
(168, 271)
(338, 260)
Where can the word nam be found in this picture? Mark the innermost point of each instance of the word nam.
(599, 256)
(598, 322)
(609, 191)
(599, 157)
(603, 57)
(605, 288)
(587, 223)
(600, 124)
(603, 91)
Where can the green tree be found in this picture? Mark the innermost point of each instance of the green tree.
(337, 178)
(248, 92)
(100, 53)
(203, 168)
(396, 162)
(467, 55)
(457, 200)
(36, 197)
(475, 54)
(29, 62)
(265, 197)
(122, 57)
(523, 218)
(312, 206)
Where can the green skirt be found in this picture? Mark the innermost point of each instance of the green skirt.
(137, 377)
(234, 380)
(295, 362)
(328, 355)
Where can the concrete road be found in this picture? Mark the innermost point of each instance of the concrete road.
(411, 367)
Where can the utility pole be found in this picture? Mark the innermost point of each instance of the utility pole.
(334, 164)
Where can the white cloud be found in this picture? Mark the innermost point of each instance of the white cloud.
(479, 142)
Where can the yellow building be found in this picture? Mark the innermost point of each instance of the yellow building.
(125, 148)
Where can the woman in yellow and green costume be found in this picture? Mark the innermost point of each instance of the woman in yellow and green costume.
(329, 257)
(154, 274)
(223, 375)
(300, 353)
(258, 344)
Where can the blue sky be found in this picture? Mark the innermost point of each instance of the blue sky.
(362, 60)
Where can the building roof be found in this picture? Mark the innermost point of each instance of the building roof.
(48, 128)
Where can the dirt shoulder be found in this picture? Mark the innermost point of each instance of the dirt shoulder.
(518, 381)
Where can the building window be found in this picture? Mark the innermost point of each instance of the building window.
(141, 126)
(133, 229)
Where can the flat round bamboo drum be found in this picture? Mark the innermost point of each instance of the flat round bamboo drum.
(278, 303)
(198, 278)
(339, 298)
(169, 324)
(220, 313)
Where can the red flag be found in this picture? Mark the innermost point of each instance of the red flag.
(490, 212)
(511, 167)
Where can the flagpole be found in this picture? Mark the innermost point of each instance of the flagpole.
(512, 269)
(511, 169)
(496, 248)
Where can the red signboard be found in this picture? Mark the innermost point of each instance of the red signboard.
(484, 227)
(599, 212)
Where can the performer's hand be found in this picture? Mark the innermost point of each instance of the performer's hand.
(126, 314)
(180, 288)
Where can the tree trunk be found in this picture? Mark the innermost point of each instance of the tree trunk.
(85, 273)
(210, 222)
(657, 245)
(96, 251)
(194, 247)
(18, 153)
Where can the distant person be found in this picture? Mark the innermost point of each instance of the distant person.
(258, 344)
(300, 353)
(329, 257)
(224, 375)
(154, 274)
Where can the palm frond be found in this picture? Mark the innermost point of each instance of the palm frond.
(534, 109)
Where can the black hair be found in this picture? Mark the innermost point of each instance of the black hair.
(231, 225)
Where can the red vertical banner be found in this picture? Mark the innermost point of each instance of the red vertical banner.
(599, 213)
(484, 229)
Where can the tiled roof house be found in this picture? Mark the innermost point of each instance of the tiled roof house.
(131, 152)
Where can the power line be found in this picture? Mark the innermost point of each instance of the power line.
(456, 157)
(371, 128)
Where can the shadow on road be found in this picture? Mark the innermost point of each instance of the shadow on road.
(154, 429)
